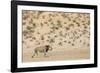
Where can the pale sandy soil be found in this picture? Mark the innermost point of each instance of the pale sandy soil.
(72, 54)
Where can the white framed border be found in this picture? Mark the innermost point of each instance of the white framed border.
(53, 63)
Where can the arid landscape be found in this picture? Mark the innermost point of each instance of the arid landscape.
(67, 33)
(70, 54)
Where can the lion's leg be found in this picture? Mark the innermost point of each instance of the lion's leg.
(45, 54)
(35, 53)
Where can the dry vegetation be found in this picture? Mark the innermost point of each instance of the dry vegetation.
(67, 33)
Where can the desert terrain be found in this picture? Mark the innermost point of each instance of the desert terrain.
(55, 55)
(67, 33)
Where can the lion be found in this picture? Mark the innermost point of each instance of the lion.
(42, 49)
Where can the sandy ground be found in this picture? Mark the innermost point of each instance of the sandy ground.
(54, 55)
(65, 32)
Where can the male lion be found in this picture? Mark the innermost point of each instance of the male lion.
(42, 49)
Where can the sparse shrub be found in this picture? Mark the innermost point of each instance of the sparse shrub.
(29, 27)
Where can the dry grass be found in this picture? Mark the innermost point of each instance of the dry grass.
(64, 31)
